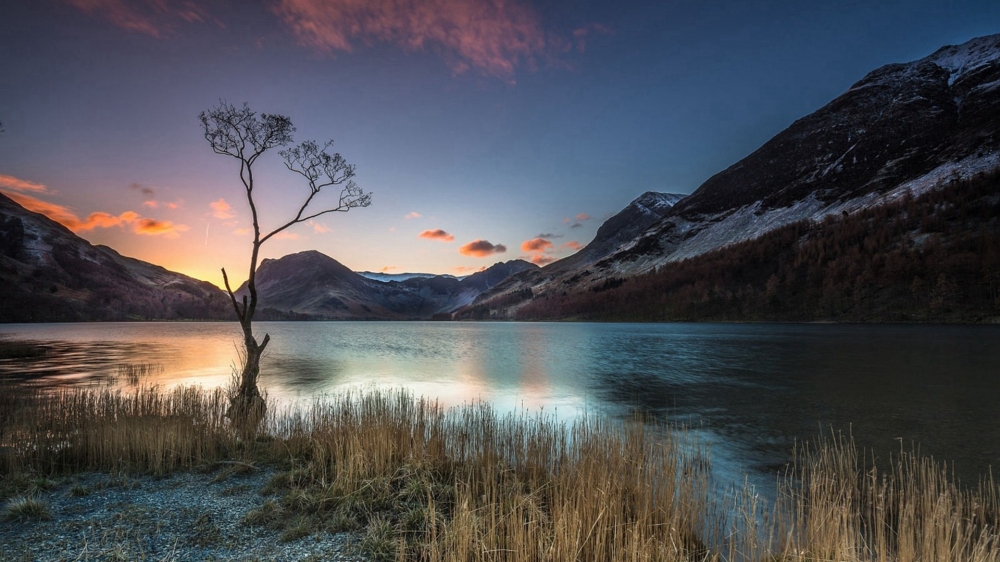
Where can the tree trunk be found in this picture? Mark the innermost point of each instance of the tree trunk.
(246, 407)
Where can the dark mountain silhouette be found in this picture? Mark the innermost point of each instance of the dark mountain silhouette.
(49, 274)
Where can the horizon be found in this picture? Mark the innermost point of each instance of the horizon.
(509, 135)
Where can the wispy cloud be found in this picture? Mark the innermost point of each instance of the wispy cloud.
(481, 249)
(222, 210)
(463, 269)
(320, 228)
(387, 269)
(17, 184)
(156, 18)
(412, 215)
(437, 234)
(153, 204)
(130, 219)
(572, 245)
(542, 259)
(583, 217)
(146, 191)
(493, 36)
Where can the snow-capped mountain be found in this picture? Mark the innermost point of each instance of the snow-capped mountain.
(902, 129)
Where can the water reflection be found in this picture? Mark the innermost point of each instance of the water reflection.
(751, 390)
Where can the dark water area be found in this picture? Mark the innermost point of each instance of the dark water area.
(750, 391)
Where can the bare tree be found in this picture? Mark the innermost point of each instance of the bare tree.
(245, 135)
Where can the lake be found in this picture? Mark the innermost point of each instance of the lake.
(750, 390)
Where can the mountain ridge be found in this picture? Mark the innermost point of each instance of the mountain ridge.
(902, 130)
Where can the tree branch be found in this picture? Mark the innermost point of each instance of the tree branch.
(232, 297)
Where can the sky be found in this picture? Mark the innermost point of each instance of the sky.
(486, 130)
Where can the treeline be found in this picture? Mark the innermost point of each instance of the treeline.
(933, 258)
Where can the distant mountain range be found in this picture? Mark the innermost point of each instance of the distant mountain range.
(884, 205)
(315, 285)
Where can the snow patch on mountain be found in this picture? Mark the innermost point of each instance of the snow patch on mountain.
(967, 57)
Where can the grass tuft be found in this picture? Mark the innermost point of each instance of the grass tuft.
(26, 509)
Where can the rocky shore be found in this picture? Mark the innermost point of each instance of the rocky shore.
(181, 517)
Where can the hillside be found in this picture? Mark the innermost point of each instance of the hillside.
(933, 258)
(49, 274)
(903, 131)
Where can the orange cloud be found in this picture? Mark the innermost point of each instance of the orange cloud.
(583, 217)
(17, 184)
(540, 259)
(572, 245)
(436, 234)
(481, 249)
(495, 36)
(388, 268)
(69, 219)
(413, 215)
(156, 18)
(221, 209)
(535, 245)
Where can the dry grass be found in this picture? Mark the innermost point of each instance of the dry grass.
(468, 484)
(834, 507)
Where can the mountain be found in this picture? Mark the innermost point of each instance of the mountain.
(645, 211)
(313, 285)
(50, 274)
(903, 130)
(379, 276)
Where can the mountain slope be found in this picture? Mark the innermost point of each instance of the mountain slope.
(933, 258)
(629, 223)
(903, 130)
(50, 274)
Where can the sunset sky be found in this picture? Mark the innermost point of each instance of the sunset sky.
(486, 130)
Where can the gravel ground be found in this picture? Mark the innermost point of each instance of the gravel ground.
(186, 516)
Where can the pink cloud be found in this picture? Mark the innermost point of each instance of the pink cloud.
(572, 245)
(541, 259)
(222, 210)
(413, 215)
(320, 228)
(583, 217)
(535, 245)
(66, 217)
(156, 18)
(17, 184)
(436, 234)
(154, 204)
(481, 249)
(494, 36)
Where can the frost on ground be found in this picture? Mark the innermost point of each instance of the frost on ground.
(177, 518)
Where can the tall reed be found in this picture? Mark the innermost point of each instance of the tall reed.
(469, 484)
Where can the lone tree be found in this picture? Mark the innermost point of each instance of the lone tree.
(245, 135)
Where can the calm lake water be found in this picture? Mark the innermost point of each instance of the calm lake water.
(750, 390)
